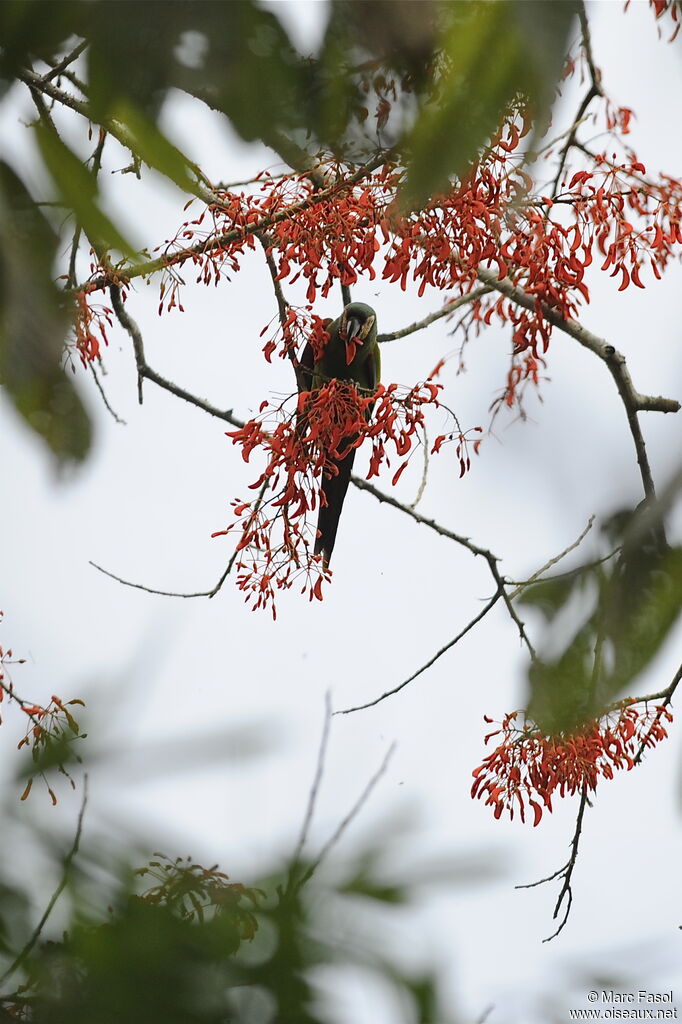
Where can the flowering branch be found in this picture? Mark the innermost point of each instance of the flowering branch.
(651, 736)
(220, 241)
(665, 697)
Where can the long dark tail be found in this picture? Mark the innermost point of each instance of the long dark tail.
(334, 490)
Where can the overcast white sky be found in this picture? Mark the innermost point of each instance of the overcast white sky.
(155, 669)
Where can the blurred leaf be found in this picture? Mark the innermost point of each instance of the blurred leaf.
(627, 615)
(550, 596)
(152, 146)
(492, 51)
(78, 188)
(33, 28)
(131, 52)
(34, 320)
(243, 63)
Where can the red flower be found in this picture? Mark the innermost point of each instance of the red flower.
(527, 767)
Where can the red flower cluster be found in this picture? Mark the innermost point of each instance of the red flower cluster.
(51, 724)
(91, 323)
(47, 725)
(527, 767)
(291, 333)
(276, 536)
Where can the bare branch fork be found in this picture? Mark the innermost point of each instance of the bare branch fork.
(565, 872)
(296, 877)
(490, 558)
(500, 592)
(145, 371)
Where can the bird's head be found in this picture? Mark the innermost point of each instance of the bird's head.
(358, 320)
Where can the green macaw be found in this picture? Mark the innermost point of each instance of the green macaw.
(352, 353)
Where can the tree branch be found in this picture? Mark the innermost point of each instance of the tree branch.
(447, 309)
(490, 558)
(201, 187)
(145, 371)
(667, 696)
(312, 796)
(520, 587)
(396, 689)
(104, 398)
(57, 69)
(565, 872)
(200, 593)
(594, 91)
(633, 401)
(148, 267)
(346, 821)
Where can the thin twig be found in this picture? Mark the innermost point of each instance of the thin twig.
(666, 696)
(553, 561)
(353, 813)
(19, 959)
(145, 371)
(566, 891)
(396, 689)
(104, 398)
(165, 593)
(570, 141)
(199, 187)
(594, 91)
(57, 69)
(312, 796)
(489, 557)
(425, 473)
(200, 593)
(446, 310)
(96, 166)
(595, 75)
(282, 307)
(583, 567)
(565, 872)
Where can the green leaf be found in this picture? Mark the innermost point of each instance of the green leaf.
(78, 188)
(34, 320)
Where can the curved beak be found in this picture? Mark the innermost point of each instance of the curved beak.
(352, 328)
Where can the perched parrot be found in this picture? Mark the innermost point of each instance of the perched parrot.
(352, 353)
